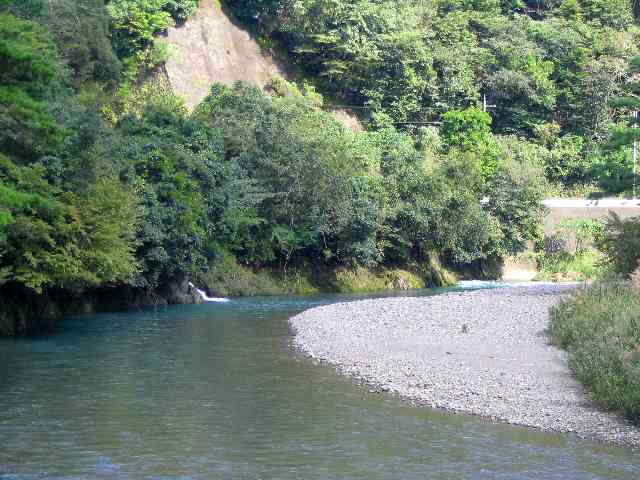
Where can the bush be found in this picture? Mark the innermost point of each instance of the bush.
(182, 9)
(569, 253)
(31, 75)
(228, 278)
(600, 327)
(614, 171)
(620, 243)
(136, 22)
(569, 267)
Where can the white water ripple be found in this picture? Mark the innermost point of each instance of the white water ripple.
(207, 298)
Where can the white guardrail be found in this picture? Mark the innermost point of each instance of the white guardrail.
(602, 203)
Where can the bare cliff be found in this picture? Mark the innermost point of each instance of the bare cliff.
(212, 47)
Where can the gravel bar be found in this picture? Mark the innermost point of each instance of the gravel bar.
(482, 352)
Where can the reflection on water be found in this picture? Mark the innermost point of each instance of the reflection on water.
(215, 392)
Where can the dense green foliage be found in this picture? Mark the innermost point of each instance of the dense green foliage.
(620, 244)
(362, 198)
(81, 29)
(570, 253)
(600, 327)
(626, 133)
(549, 69)
(102, 188)
(29, 76)
(107, 180)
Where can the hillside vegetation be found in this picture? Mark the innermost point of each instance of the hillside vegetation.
(107, 180)
(548, 68)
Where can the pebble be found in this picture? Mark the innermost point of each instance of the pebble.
(500, 366)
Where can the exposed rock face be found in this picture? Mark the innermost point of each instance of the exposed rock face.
(348, 119)
(211, 48)
(178, 292)
(24, 312)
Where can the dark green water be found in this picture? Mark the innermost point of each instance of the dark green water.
(215, 392)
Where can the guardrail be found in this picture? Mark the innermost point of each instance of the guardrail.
(602, 203)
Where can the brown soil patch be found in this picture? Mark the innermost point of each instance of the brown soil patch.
(210, 47)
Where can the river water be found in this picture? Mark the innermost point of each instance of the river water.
(216, 392)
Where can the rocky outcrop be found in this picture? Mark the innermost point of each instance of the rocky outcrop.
(24, 312)
(178, 291)
(211, 48)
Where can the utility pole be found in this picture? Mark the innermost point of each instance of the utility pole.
(485, 105)
(635, 152)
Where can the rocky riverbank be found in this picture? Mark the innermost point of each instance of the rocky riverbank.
(481, 352)
(25, 312)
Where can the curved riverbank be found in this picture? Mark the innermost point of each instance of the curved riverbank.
(482, 352)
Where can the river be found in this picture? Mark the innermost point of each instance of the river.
(216, 392)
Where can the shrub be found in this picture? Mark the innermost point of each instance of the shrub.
(30, 76)
(565, 266)
(614, 170)
(569, 253)
(226, 277)
(600, 327)
(620, 243)
(182, 9)
(136, 22)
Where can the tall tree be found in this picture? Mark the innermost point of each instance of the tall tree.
(629, 104)
(627, 133)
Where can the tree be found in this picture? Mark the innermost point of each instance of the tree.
(177, 166)
(620, 243)
(31, 73)
(136, 22)
(52, 238)
(627, 132)
(470, 131)
(81, 30)
(466, 129)
(320, 189)
(628, 104)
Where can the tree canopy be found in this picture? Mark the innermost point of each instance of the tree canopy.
(544, 67)
(470, 109)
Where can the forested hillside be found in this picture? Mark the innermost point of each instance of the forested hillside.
(108, 181)
(548, 68)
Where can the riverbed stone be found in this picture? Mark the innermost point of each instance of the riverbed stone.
(483, 352)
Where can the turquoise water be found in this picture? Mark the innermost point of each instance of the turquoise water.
(216, 392)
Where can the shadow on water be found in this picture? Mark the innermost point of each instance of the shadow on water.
(215, 391)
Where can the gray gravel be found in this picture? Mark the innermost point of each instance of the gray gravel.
(482, 352)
